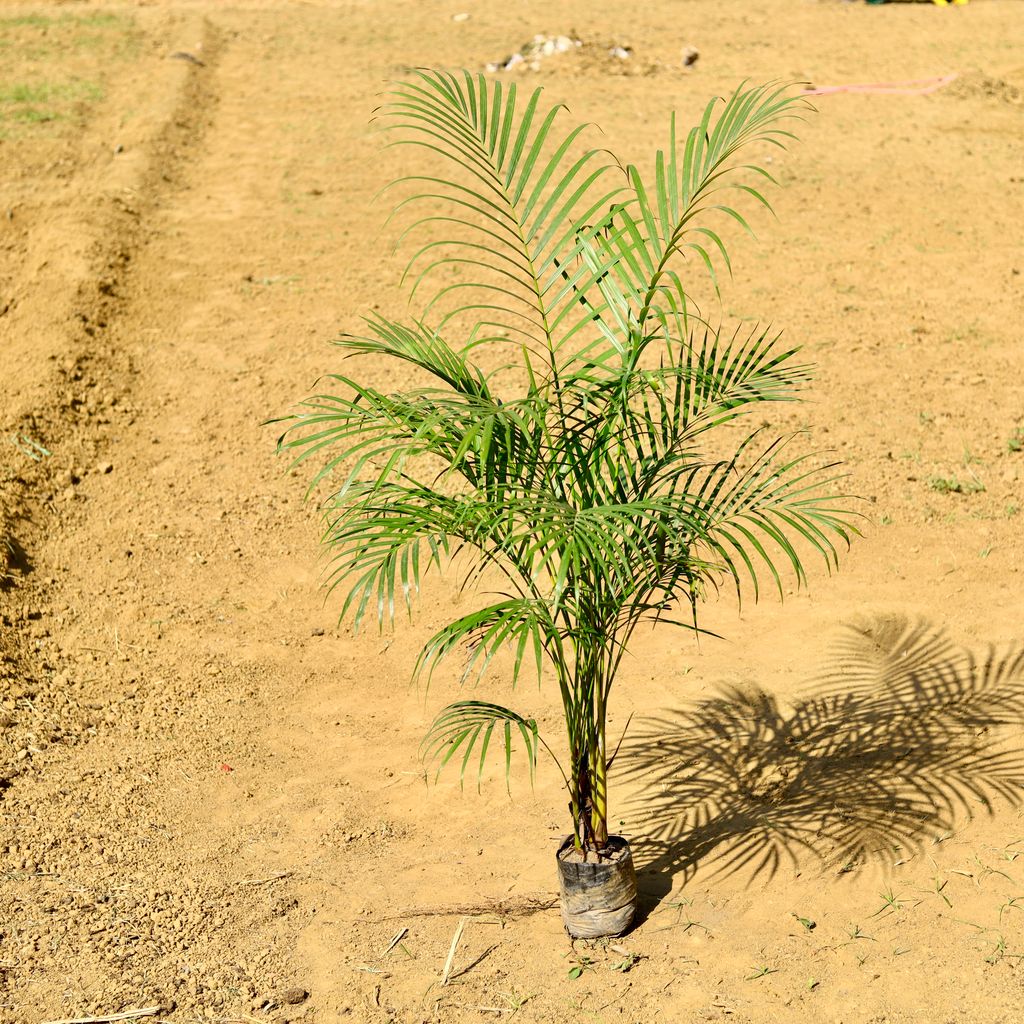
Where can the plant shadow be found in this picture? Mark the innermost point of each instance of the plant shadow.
(14, 560)
(901, 738)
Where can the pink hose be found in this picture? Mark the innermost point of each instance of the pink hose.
(915, 87)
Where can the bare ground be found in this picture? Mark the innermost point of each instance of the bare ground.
(210, 794)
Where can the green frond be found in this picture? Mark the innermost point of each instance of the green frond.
(757, 514)
(518, 187)
(422, 347)
(665, 220)
(523, 624)
(467, 727)
(377, 540)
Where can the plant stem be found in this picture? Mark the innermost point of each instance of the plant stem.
(599, 797)
(599, 767)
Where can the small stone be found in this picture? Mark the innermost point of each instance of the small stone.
(690, 55)
(460, 17)
(294, 996)
(105, 467)
(316, 632)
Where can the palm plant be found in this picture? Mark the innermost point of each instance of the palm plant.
(589, 464)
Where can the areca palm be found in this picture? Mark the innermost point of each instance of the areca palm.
(592, 469)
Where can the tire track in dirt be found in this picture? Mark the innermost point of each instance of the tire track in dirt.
(70, 389)
(137, 872)
(65, 378)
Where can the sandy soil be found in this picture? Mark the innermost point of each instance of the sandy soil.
(210, 795)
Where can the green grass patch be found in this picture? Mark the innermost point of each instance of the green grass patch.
(49, 92)
(42, 102)
(951, 485)
(42, 37)
(95, 19)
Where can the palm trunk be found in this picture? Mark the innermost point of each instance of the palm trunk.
(599, 797)
(599, 770)
(589, 757)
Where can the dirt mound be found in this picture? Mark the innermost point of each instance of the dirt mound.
(977, 85)
(569, 54)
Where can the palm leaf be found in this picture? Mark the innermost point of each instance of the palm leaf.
(661, 222)
(523, 624)
(513, 185)
(467, 727)
(753, 514)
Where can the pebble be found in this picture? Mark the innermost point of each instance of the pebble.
(105, 467)
(294, 996)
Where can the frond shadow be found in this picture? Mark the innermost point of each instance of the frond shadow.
(903, 737)
(14, 560)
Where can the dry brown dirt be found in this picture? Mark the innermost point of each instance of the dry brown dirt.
(209, 789)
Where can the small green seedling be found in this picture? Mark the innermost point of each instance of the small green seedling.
(761, 972)
(627, 964)
(583, 963)
(952, 485)
(678, 906)
(1013, 903)
(1009, 853)
(998, 952)
(939, 885)
(515, 1002)
(807, 924)
(986, 871)
(892, 903)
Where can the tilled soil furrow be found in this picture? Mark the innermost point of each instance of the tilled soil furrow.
(70, 403)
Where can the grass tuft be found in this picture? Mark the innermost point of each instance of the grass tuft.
(952, 485)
